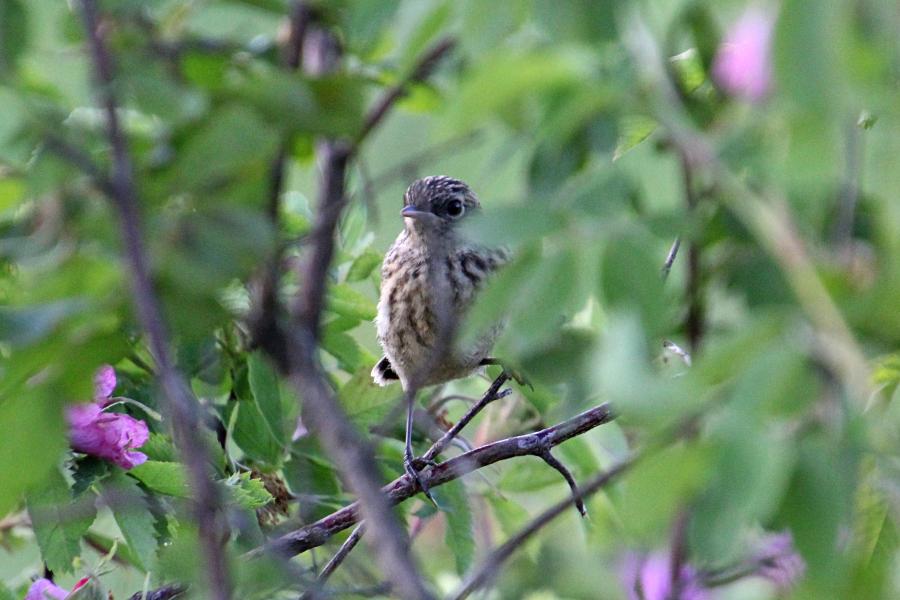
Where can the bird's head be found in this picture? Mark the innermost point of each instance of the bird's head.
(432, 206)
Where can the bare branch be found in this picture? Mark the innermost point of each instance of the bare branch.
(695, 321)
(489, 567)
(182, 409)
(335, 562)
(493, 393)
(420, 72)
(402, 488)
(554, 462)
(670, 258)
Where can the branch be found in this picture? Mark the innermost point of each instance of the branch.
(336, 560)
(420, 72)
(321, 410)
(767, 218)
(181, 406)
(694, 323)
(403, 488)
(167, 592)
(492, 563)
(670, 258)
(493, 393)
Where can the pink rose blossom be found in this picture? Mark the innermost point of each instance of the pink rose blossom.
(104, 384)
(44, 589)
(743, 64)
(111, 436)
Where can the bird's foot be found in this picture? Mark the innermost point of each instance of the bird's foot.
(414, 467)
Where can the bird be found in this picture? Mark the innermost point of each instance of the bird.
(430, 277)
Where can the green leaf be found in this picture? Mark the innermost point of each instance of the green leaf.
(454, 503)
(363, 265)
(350, 355)
(630, 281)
(657, 487)
(233, 138)
(365, 402)
(33, 439)
(633, 129)
(23, 326)
(13, 34)
(347, 302)
(87, 471)
(159, 447)
(166, 478)
(248, 492)
(267, 393)
(6, 593)
(133, 516)
(59, 523)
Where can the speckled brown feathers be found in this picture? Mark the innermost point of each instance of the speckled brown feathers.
(427, 258)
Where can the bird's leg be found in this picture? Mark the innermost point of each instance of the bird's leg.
(513, 373)
(409, 461)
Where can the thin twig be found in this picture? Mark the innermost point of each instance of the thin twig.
(767, 218)
(849, 197)
(402, 488)
(81, 160)
(493, 393)
(321, 410)
(420, 72)
(670, 258)
(554, 462)
(182, 408)
(490, 565)
(695, 321)
(335, 562)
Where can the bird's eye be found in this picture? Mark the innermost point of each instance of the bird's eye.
(455, 208)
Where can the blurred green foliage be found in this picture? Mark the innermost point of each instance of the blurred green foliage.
(543, 110)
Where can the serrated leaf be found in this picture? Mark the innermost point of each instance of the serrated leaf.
(345, 301)
(133, 516)
(159, 447)
(166, 478)
(458, 536)
(87, 471)
(365, 402)
(58, 523)
(250, 493)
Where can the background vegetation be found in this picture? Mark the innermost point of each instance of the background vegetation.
(596, 133)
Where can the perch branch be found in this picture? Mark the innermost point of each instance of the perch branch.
(403, 488)
(181, 407)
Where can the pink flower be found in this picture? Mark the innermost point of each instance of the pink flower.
(111, 436)
(104, 384)
(650, 578)
(742, 66)
(778, 561)
(44, 589)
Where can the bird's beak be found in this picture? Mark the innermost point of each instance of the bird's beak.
(412, 213)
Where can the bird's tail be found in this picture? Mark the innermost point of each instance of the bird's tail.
(383, 373)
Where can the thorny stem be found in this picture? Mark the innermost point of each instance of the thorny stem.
(185, 419)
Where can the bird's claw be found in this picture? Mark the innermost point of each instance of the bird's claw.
(413, 468)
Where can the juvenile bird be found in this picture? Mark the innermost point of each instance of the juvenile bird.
(429, 279)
